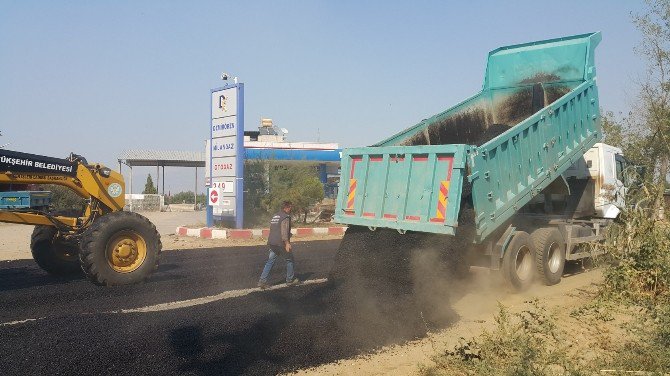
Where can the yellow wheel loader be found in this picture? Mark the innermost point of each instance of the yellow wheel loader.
(110, 246)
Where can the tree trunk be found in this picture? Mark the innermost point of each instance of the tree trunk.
(659, 203)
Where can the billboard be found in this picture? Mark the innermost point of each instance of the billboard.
(225, 155)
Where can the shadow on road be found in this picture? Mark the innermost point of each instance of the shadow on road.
(578, 267)
(26, 274)
(373, 298)
(27, 277)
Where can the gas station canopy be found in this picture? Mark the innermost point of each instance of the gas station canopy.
(133, 158)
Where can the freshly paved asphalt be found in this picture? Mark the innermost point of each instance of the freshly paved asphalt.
(72, 326)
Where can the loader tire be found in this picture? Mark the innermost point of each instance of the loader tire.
(120, 248)
(518, 266)
(52, 254)
(549, 254)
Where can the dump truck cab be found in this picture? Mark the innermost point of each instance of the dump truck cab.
(596, 182)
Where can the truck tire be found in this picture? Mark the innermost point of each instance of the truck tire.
(120, 248)
(549, 254)
(518, 266)
(52, 254)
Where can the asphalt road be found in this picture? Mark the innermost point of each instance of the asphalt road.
(68, 327)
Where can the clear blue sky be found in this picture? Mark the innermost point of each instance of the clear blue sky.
(100, 77)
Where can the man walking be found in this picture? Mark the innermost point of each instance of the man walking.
(279, 241)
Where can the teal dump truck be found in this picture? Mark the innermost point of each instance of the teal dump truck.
(25, 200)
(519, 163)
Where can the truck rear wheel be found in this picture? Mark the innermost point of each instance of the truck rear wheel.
(518, 266)
(120, 248)
(549, 254)
(53, 254)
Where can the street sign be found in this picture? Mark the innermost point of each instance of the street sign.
(214, 195)
(227, 188)
(224, 127)
(226, 207)
(224, 147)
(226, 166)
(224, 102)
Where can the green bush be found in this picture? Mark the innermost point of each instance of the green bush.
(638, 248)
(64, 199)
(526, 343)
(298, 184)
(646, 347)
(185, 198)
(255, 190)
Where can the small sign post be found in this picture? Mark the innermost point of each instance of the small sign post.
(226, 155)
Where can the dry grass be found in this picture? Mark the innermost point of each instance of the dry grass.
(625, 327)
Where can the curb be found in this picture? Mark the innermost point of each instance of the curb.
(212, 233)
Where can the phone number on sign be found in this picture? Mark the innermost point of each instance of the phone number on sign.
(223, 166)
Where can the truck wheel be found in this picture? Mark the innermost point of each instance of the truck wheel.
(549, 254)
(518, 266)
(52, 254)
(120, 248)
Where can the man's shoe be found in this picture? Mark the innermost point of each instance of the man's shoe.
(263, 285)
(295, 281)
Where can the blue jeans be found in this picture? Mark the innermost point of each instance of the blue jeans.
(274, 252)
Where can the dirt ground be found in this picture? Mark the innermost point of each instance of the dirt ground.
(475, 301)
(476, 307)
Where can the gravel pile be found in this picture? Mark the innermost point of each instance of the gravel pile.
(468, 127)
(475, 126)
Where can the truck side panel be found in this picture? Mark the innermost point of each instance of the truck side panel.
(514, 167)
(24, 199)
(406, 188)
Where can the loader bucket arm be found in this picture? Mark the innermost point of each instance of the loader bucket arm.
(88, 181)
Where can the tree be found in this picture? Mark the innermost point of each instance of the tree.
(630, 134)
(186, 198)
(64, 199)
(300, 185)
(655, 90)
(149, 186)
(255, 190)
(613, 130)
